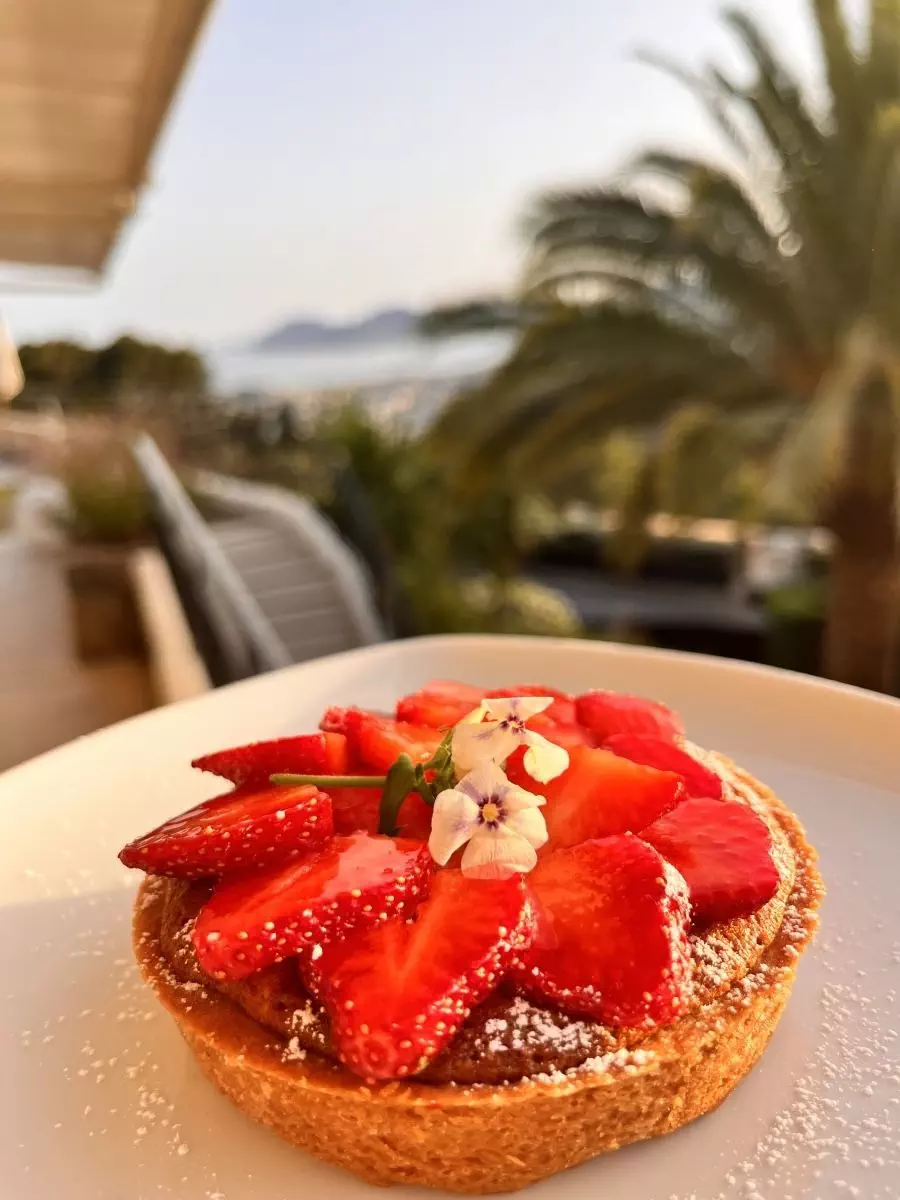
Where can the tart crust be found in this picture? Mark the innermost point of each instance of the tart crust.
(510, 1102)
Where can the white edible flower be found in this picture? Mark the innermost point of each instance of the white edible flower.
(478, 741)
(501, 822)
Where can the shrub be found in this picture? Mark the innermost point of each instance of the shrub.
(519, 606)
(106, 502)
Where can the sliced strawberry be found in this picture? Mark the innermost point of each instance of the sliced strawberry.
(606, 713)
(397, 994)
(440, 704)
(567, 736)
(354, 882)
(360, 808)
(561, 733)
(235, 832)
(334, 719)
(652, 751)
(309, 754)
(601, 794)
(355, 809)
(724, 852)
(612, 940)
(561, 710)
(414, 818)
(377, 742)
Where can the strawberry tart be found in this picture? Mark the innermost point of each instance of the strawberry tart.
(479, 940)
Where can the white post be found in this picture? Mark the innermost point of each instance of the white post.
(12, 380)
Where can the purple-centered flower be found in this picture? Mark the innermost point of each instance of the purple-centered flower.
(476, 740)
(501, 822)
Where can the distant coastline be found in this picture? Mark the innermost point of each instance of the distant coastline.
(287, 373)
(388, 325)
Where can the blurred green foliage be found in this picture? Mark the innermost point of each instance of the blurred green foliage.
(802, 601)
(128, 371)
(106, 502)
(519, 606)
(795, 620)
(455, 559)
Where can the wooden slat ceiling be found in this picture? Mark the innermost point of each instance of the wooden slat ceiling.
(84, 88)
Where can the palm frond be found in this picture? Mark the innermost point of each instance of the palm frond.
(722, 203)
(609, 229)
(587, 412)
(783, 113)
(816, 181)
(716, 190)
(533, 420)
(850, 106)
(473, 316)
(572, 356)
(883, 213)
(883, 60)
(710, 96)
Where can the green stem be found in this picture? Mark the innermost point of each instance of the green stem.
(425, 790)
(334, 781)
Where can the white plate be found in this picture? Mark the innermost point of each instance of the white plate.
(100, 1099)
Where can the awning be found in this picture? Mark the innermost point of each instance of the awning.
(84, 89)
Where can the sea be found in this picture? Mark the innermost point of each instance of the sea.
(408, 380)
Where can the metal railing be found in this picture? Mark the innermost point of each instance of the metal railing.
(232, 632)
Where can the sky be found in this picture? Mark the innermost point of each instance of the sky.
(331, 157)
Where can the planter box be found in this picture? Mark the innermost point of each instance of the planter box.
(176, 668)
(105, 619)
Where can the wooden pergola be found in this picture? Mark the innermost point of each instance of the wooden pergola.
(85, 86)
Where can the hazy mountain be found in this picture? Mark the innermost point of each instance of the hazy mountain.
(383, 326)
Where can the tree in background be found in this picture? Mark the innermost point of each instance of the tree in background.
(766, 284)
(127, 373)
(439, 566)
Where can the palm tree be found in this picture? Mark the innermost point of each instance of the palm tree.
(767, 282)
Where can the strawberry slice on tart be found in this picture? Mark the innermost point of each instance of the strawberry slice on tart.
(265, 916)
(724, 852)
(653, 751)
(377, 742)
(397, 994)
(358, 809)
(606, 713)
(440, 704)
(254, 764)
(368, 743)
(240, 830)
(374, 743)
(612, 941)
(568, 736)
(601, 794)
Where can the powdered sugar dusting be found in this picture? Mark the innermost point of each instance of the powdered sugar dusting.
(96, 1052)
(842, 1122)
(528, 1026)
(293, 1051)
